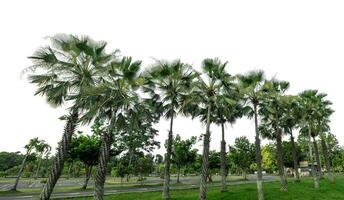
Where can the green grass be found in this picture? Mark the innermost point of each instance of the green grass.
(298, 191)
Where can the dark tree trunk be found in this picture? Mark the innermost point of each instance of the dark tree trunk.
(258, 157)
(280, 162)
(315, 180)
(327, 159)
(223, 161)
(166, 189)
(205, 161)
(293, 151)
(317, 158)
(62, 150)
(88, 171)
(178, 174)
(102, 165)
(22, 166)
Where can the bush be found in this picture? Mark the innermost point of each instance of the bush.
(43, 181)
(3, 174)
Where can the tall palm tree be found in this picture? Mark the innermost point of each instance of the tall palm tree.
(42, 148)
(62, 71)
(272, 112)
(290, 121)
(169, 84)
(323, 113)
(252, 87)
(228, 109)
(206, 97)
(109, 101)
(29, 147)
(308, 103)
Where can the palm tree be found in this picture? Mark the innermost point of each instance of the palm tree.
(206, 96)
(252, 89)
(228, 109)
(308, 103)
(272, 111)
(109, 101)
(62, 71)
(323, 113)
(41, 148)
(168, 83)
(290, 121)
(29, 147)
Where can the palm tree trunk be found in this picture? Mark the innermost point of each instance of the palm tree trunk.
(317, 158)
(22, 166)
(327, 159)
(205, 162)
(223, 161)
(166, 189)
(38, 166)
(280, 162)
(293, 151)
(258, 157)
(102, 165)
(315, 180)
(62, 150)
(88, 171)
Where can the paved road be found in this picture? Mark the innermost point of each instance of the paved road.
(63, 195)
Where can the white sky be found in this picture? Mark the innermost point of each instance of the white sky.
(298, 41)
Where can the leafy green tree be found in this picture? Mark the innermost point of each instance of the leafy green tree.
(42, 149)
(214, 164)
(61, 72)
(86, 149)
(242, 154)
(144, 166)
(10, 159)
(168, 83)
(183, 154)
(269, 161)
(252, 87)
(29, 147)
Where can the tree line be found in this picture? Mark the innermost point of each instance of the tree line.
(112, 89)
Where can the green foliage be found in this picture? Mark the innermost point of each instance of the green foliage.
(269, 162)
(183, 154)
(9, 160)
(241, 155)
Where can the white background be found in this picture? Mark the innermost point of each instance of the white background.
(298, 41)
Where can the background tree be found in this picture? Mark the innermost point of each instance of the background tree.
(214, 164)
(269, 161)
(183, 154)
(29, 147)
(242, 155)
(42, 149)
(86, 149)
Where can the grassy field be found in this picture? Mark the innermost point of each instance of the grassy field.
(298, 191)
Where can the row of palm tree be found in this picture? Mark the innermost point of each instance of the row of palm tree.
(96, 85)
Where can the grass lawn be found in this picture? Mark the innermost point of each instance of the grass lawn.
(298, 191)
